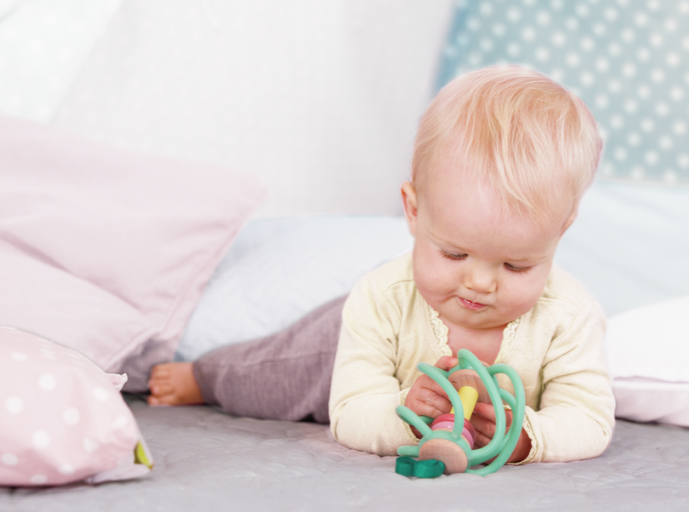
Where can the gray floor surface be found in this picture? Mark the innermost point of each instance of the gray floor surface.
(206, 460)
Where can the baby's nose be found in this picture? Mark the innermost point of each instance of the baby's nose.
(481, 280)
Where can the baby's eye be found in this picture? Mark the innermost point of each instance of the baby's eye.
(452, 256)
(517, 270)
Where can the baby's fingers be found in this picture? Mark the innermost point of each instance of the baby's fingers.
(436, 403)
(481, 440)
(435, 388)
(487, 411)
(426, 402)
(446, 362)
(483, 425)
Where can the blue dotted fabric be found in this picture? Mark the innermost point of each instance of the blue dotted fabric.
(627, 59)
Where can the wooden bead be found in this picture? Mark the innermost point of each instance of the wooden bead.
(462, 378)
(447, 452)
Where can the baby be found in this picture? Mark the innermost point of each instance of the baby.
(501, 159)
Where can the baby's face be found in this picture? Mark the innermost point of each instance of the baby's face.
(480, 268)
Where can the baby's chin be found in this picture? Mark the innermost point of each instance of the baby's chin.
(484, 318)
(480, 320)
(489, 317)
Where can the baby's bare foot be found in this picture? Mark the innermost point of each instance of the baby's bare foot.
(174, 384)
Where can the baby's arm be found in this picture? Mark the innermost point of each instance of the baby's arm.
(575, 419)
(365, 390)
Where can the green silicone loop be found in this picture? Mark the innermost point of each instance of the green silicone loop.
(410, 417)
(494, 447)
(408, 451)
(516, 403)
(506, 397)
(440, 377)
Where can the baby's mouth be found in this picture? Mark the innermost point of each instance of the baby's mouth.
(474, 306)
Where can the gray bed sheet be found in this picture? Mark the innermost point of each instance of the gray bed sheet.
(206, 460)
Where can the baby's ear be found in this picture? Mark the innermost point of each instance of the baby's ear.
(410, 205)
(570, 219)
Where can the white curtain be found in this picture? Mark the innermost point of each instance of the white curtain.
(320, 98)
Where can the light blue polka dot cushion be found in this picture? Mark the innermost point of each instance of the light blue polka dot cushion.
(628, 60)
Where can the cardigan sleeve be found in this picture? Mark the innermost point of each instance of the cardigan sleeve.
(575, 417)
(365, 390)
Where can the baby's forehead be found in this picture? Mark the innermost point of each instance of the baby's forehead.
(451, 199)
(454, 177)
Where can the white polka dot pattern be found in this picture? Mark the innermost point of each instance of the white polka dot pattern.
(46, 382)
(66, 469)
(62, 417)
(19, 356)
(120, 422)
(90, 445)
(625, 59)
(71, 416)
(40, 439)
(14, 405)
(100, 394)
(38, 479)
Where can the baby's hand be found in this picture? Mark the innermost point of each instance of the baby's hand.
(426, 398)
(483, 419)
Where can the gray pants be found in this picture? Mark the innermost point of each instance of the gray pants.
(285, 376)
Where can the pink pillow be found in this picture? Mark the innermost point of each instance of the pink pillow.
(63, 419)
(107, 252)
(647, 350)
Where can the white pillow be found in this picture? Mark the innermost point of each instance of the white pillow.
(629, 244)
(648, 355)
(640, 399)
(279, 269)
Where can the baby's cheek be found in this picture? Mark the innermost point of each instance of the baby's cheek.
(431, 278)
(521, 297)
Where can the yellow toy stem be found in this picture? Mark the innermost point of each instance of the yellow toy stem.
(469, 397)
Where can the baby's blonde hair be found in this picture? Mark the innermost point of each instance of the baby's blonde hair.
(530, 140)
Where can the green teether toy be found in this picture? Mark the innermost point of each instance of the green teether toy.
(447, 445)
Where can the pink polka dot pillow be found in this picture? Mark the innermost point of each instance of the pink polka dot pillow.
(62, 418)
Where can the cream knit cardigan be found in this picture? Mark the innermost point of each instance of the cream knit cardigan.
(556, 348)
